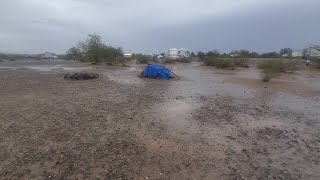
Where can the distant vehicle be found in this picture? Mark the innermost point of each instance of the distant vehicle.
(127, 55)
(48, 55)
(160, 57)
(175, 53)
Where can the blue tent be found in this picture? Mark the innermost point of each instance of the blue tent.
(156, 71)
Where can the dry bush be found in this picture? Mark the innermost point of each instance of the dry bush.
(218, 62)
(209, 60)
(269, 69)
(184, 60)
(221, 63)
(289, 65)
(143, 59)
(241, 62)
(181, 60)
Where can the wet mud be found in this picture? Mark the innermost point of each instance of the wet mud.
(207, 124)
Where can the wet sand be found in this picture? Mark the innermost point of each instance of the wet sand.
(208, 124)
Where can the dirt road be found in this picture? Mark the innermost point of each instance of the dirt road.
(210, 124)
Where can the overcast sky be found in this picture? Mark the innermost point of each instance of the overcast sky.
(34, 26)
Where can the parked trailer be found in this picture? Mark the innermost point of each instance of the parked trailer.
(313, 52)
(176, 53)
(48, 55)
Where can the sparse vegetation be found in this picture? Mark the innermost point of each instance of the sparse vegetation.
(269, 69)
(222, 61)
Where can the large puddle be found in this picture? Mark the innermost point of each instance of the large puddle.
(196, 82)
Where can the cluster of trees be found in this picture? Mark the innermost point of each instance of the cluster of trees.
(286, 51)
(235, 53)
(13, 57)
(93, 49)
(244, 54)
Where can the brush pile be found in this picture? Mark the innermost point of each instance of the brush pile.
(80, 76)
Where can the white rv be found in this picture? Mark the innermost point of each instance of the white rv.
(178, 53)
(48, 55)
(313, 52)
(127, 55)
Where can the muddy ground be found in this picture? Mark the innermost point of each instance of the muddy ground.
(209, 124)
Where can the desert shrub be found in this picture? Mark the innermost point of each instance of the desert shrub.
(317, 62)
(35, 56)
(287, 51)
(222, 63)
(73, 53)
(209, 61)
(269, 69)
(3, 56)
(241, 62)
(270, 55)
(143, 59)
(214, 53)
(184, 60)
(181, 60)
(218, 62)
(201, 55)
(289, 65)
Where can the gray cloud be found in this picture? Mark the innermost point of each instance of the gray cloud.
(153, 26)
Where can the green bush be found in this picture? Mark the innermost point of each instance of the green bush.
(218, 62)
(269, 69)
